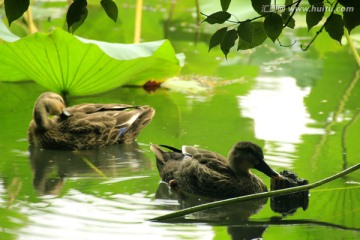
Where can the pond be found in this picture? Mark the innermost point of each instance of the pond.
(302, 108)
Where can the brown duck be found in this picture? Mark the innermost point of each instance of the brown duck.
(84, 126)
(209, 174)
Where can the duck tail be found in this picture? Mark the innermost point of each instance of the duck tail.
(159, 153)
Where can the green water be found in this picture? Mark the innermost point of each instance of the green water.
(301, 107)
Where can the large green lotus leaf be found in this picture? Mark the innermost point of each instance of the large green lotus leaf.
(62, 62)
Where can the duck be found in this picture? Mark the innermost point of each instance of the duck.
(84, 126)
(209, 174)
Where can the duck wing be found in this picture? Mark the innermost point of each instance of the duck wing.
(103, 124)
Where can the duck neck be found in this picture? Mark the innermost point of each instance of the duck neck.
(41, 117)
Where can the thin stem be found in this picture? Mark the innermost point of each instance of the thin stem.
(353, 48)
(322, 28)
(211, 205)
(138, 15)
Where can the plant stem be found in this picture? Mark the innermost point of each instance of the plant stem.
(138, 15)
(211, 205)
(353, 48)
(30, 21)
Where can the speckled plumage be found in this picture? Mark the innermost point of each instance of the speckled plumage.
(209, 174)
(84, 126)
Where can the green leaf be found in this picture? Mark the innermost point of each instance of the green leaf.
(351, 18)
(261, 6)
(315, 2)
(62, 62)
(76, 13)
(15, 9)
(246, 31)
(335, 27)
(273, 25)
(290, 23)
(228, 42)
(225, 4)
(314, 15)
(110, 8)
(218, 17)
(217, 37)
(258, 38)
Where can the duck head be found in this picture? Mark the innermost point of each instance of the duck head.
(46, 105)
(246, 155)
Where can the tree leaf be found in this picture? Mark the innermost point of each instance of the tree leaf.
(228, 42)
(258, 38)
(246, 32)
(217, 37)
(225, 4)
(110, 8)
(335, 27)
(290, 23)
(218, 17)
(62, 62)
(315, 2)
(273, 25)
(351, 17)
(15, 9)
(76, 13)
(314, 15)
(261, 6)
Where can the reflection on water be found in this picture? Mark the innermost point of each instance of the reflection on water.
(280, 117)
(51, 167)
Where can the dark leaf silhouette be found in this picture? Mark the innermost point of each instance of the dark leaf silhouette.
(15, 9)
(77, 13)
(110, 8)
(335, 27)
(217, 38)
(218, 17)
(273, 25)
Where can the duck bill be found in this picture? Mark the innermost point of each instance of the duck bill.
(266, 169)
(66, 113)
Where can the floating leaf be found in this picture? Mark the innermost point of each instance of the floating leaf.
(218, 17)
(261, 6)
(225, 4)
(335, 27)
(76, 13)
(314, 15)
(217, 37)
(228, 42)
(273, 25)
(63, 63)
(15, 9)
(259, 36)
(246, 31)
(110, 8)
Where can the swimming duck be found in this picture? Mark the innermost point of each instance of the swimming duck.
(209, 174)
(84, 126)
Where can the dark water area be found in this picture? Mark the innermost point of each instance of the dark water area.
(302, 108)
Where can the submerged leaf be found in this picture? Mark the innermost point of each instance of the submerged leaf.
(61, 62)
(110, 8)
(15, 9)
